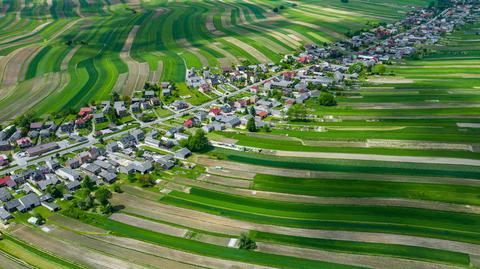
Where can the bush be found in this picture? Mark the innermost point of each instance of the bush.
(246, 242)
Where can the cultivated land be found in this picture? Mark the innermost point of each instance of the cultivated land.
(387, 178)
(97, 46)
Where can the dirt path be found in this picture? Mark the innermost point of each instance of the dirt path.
(214, 223)
(198, 260)
(419, 105)
(210, 25)
(412, 144)
(76, 225)
(186, 45)
(67, 250)
(231, 169)
(351, 259)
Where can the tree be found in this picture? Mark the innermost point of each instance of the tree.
(146, 180)
(245, 242)
(379, 69)
(344, 1)
(102, 195)
(198, 142)
(251, 127)
(117, 188)
(327, 99)
(356, 68)
(275, 10)
(55, 191)
(87, 183)
(253, 112)
(297, 112)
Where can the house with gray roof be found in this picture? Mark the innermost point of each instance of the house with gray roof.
(5, 195)
(182, 153)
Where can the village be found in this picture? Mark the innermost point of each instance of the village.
(147, 132)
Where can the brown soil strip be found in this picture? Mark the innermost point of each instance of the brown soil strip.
(351, 259)
(67, 250)
(14, 65)
(139, 192)
(226, 181)
(40, 87)
(286, 197)
(177, 255)
(248, 49)
(229, 58)
(157, 74)
(149, 225)
(75, 224)
(155, 210)
(388, 143)
(232, 173)
(234, 168)
(210, 25)
(6, 262)
(137, 257)
(219, 224)
(420, 105)
(195, 51)
(68, 57)
(136, 71)
(375, 157)
(32, 33)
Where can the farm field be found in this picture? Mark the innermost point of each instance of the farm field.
(64, 54)
(387, 178)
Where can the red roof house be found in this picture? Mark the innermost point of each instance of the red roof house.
(188, 123)
(4, 180)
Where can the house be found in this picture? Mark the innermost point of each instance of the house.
(4, 180)
(127, 169)
(182, 153)
(28, 202)
(208, 128)
(92, 168)
(165, 161)
(108, 176)
(43, 148)
(84, 111)
(3, 160)
(67, 127)
(138, 134)
(50, 180)
(135, 107)
(5, 195)
(144, 167)
(73, 185)
(172, 131)
(52, 164)
(188, 123)
(72, 163)
(68, 173)
(37, 126)
(5, 145)
(127, 141)
(105, 166)
(50, 206)
(112, 146)
(83, 157)
(99, 117)
(4, 215)
(179, 105)
(24, 142)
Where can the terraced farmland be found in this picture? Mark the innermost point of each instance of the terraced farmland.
(81, 43)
